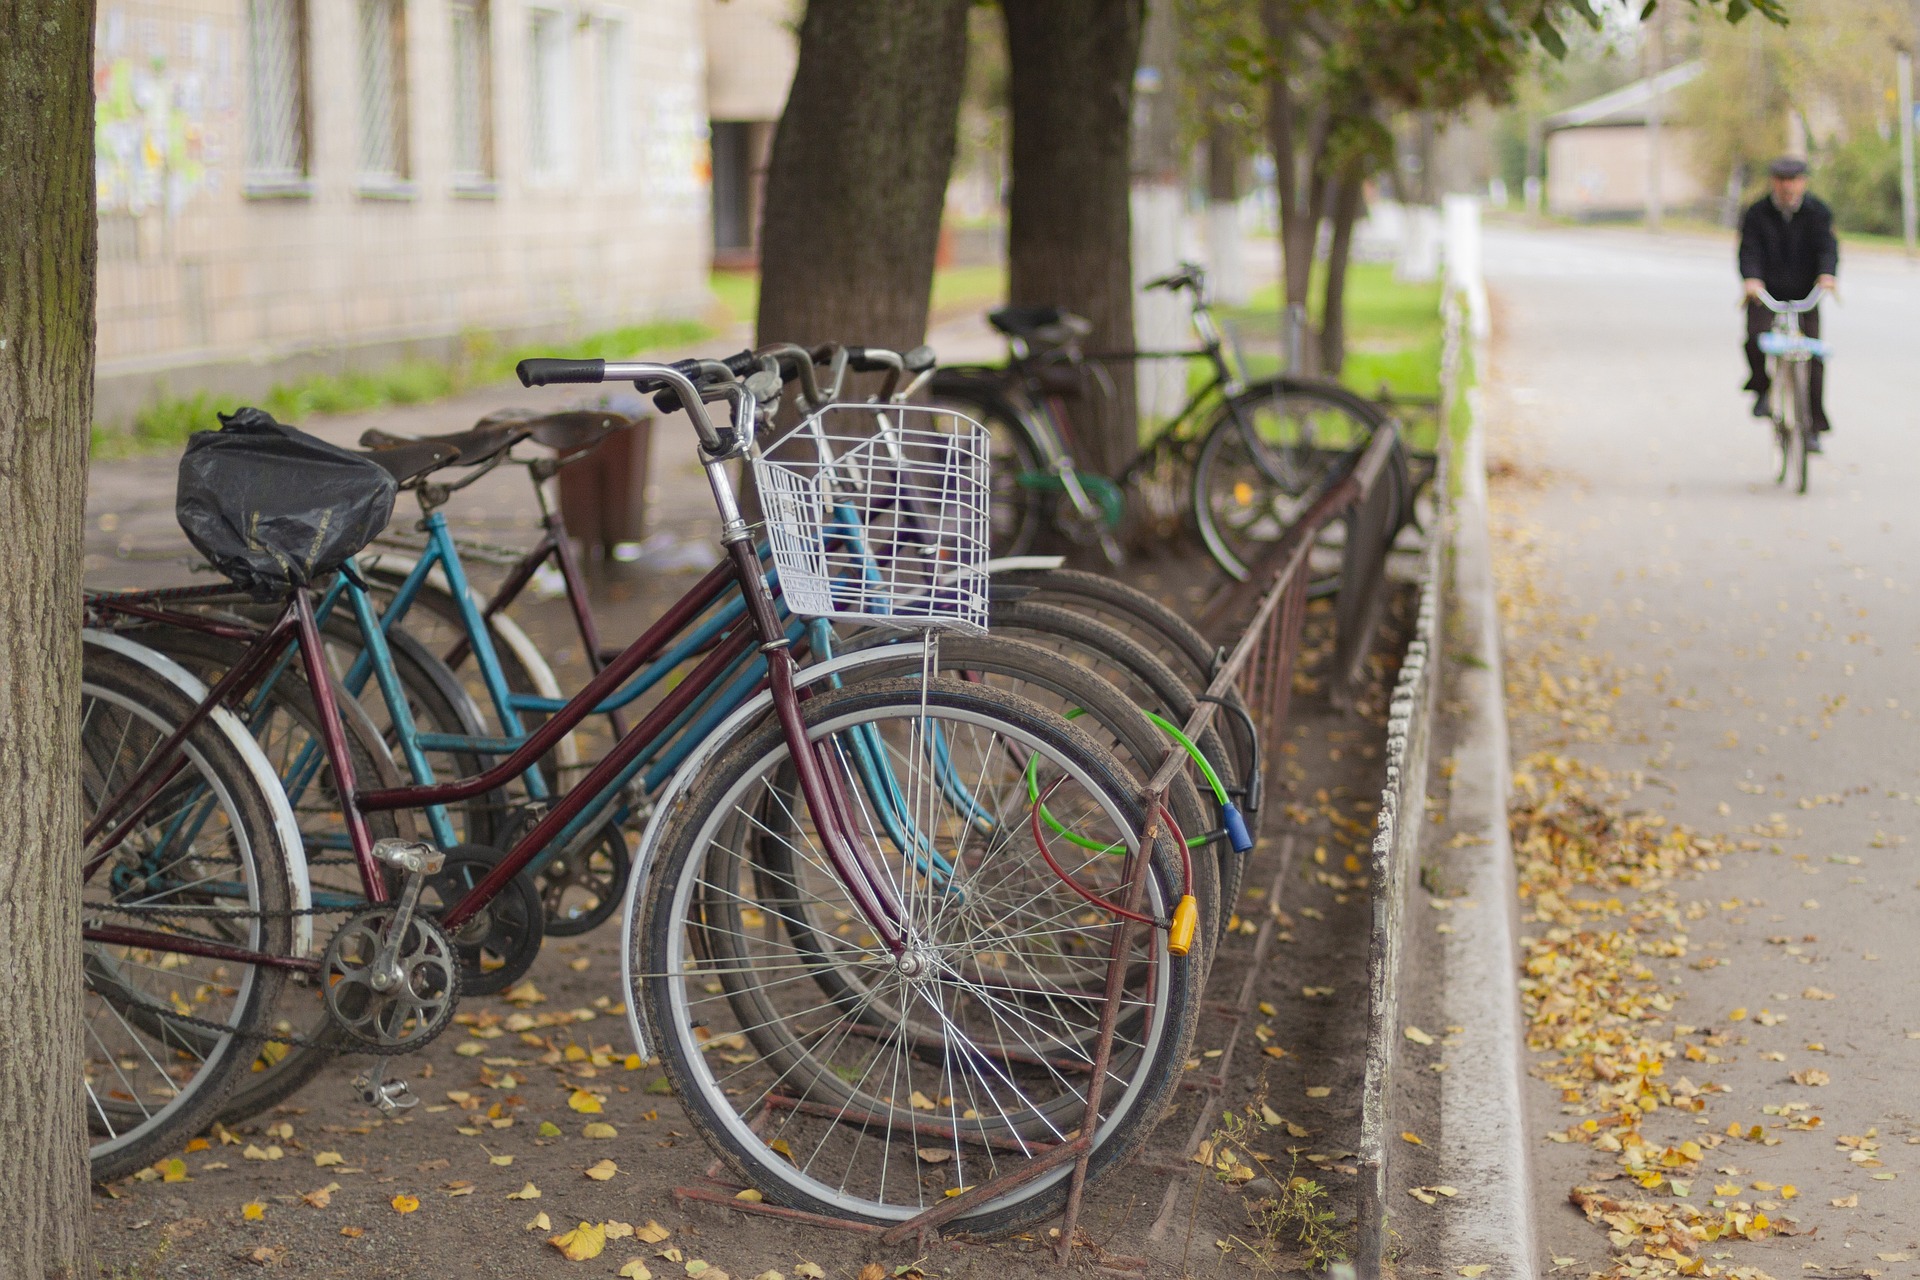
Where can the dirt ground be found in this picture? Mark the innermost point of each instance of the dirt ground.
(496, 1158)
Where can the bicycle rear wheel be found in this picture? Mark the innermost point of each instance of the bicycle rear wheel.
(971, 1059)
(168, 1032)
(1267, 454)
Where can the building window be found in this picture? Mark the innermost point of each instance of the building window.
(616, 100)
(547, 90)
(276, 96)
(472, 94)
(383, 93)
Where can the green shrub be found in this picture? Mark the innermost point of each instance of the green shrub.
(1860, 178)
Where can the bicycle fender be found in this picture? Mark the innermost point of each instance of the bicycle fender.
(683, 777)
(243, 742)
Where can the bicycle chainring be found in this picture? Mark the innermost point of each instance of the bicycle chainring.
(405, 1017)
(497, 945)
(582, 888)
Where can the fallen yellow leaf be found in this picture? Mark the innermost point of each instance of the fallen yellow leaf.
(1477, 1269)
(583, 1242)
(500, 1160)
(528, 1192)
(325, 1158)
(652, 1233)
(404, 1203)
(540, 1223)
(585, 1103)
(635, 1270)
(749, 1195)
(174, 1170)
(198, 1144)
(353, 1233)
(253, 1211)
(1319, 1090)
(1410, 1136)
(599, 1129)
(1418, 1036)
(603, 1170)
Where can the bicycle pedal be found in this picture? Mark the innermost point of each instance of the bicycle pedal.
(388, 1097)
(411, 856)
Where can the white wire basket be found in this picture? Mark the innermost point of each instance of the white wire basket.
(879, 514)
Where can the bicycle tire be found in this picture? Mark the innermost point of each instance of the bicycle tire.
(1241, 502)
(673, 981)
(286, 727)
(126, 709)
(1165, 634)
(1151, 685)
(1113, 716)
(1803, 415)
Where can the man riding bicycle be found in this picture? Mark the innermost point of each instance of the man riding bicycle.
(1787, 249)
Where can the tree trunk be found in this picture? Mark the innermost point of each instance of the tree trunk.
(1069, 226)
(858, 174)
(1296, 259)
(1226, 267)
(1347, 193)
(47, 255)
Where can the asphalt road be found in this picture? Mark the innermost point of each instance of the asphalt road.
(1766, 647)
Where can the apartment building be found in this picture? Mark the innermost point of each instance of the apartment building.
(287, 186)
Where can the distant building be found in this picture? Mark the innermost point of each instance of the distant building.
(753, 47)
(287, 186)
(1599, 154)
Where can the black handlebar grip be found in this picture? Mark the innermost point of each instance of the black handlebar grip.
(860, 361)
(920, 359)
(540, 372)
(742, 365)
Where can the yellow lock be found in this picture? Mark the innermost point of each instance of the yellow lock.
(1186, 919)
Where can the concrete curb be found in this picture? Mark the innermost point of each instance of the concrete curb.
(1483, 1146)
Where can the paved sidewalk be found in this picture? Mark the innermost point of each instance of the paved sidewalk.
(1762, 646)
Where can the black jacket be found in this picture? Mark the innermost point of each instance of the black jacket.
(1788, 254)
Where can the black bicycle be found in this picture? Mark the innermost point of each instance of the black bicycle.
(1255, 453)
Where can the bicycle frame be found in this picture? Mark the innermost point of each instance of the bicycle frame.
(296, 625)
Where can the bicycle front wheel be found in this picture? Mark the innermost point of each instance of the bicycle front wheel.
(1803, 421)
(970, 1055)
(1268, 453)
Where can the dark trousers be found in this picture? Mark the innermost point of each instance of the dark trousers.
(1759, 321)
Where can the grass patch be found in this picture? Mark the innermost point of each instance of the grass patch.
(1393, 331)
(969, 288)
(169, 420)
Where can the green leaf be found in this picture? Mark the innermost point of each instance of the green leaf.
(1647, 11)
(1549, 37)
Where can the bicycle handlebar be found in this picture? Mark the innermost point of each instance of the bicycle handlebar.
(1805, 304)
(681, 380)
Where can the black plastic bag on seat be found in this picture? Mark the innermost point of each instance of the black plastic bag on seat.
(273, 507)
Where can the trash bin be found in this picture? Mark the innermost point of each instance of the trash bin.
(603, 498)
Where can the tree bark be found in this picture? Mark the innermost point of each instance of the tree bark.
(858, 174)
(47, 257)
(1069, 226)
(1348, 189)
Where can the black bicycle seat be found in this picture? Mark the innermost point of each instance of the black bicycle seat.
(408, 460)
(1048, 326)
(478, 444)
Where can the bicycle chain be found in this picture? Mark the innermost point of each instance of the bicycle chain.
(291, 1038)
